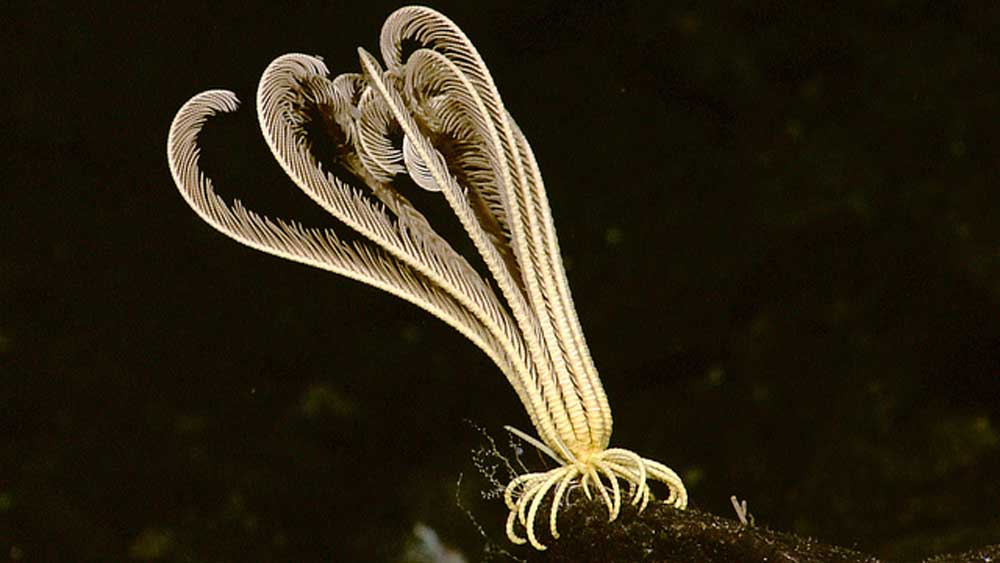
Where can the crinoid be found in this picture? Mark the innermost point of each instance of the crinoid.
(434, 118)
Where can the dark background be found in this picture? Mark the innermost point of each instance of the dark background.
(780, 226)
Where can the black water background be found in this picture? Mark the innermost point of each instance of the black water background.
(780, 228)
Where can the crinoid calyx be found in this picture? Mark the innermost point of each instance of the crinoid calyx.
(433, 117)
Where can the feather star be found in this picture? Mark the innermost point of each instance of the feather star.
(433, 118)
